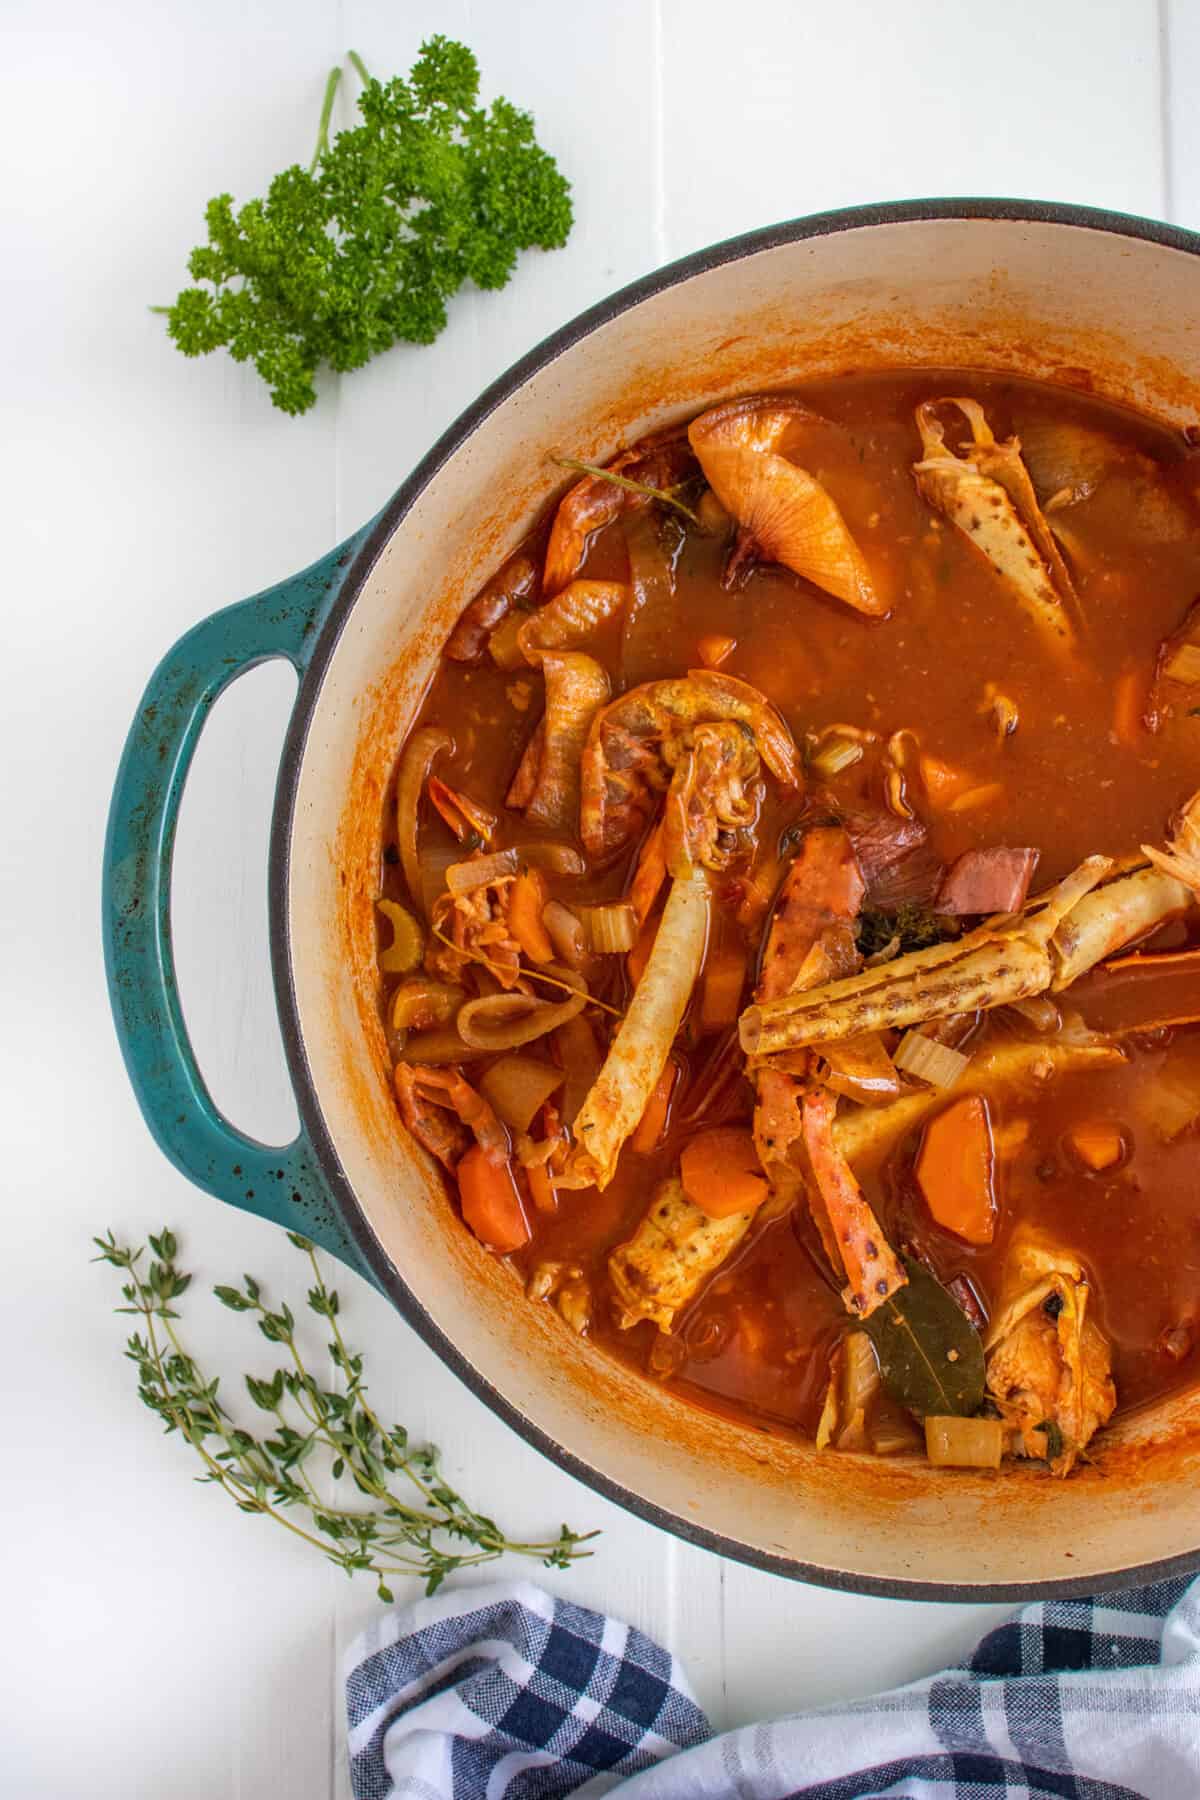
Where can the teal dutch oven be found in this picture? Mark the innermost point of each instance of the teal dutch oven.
(1056, 292)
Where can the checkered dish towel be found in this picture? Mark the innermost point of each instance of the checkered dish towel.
(504, 1693)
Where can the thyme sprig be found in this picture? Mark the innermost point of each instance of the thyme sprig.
(412, 1520)
(665, 496)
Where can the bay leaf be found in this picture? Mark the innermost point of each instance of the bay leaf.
(930, 1354)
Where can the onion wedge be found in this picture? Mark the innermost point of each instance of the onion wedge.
(420, 753)
(865, 1135)
(784, 513)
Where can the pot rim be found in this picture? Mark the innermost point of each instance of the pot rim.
(389, 1278)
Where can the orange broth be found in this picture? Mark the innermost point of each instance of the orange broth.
(1078, 776)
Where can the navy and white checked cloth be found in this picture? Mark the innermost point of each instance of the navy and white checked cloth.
(504, 1693)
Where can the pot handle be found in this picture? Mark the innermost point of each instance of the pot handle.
(282, 1184)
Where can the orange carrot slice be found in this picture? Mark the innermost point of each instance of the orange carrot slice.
(651, 873)
(720, 1172)
(491, 1204)
(1097, 1143)
(526, 900)
(721, 991)
(954, 1170)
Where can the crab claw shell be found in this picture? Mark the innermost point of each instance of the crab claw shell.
(785, 511)
(986, 492)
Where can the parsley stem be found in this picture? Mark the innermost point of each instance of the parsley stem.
(358, 65)
(331, 88)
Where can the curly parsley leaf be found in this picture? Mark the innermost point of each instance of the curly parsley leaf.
(909, 925)
(363, 249)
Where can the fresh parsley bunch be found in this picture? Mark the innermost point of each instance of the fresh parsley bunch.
(364, 248)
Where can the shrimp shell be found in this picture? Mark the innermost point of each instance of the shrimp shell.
(571, 619)
(659, 461)
(576, 689)
(636, 742)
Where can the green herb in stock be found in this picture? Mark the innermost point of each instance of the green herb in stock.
(363, 249)
(910, 926)
(410, 1522)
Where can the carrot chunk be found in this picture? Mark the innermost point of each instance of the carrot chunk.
(1097, 1143)
(651, 1125)
(542, 1188)
(943, 782)
(527, 898)
(721, 992)
(651, 873)
(714, 649)
(954, 1170)
(491, 1203)
(721, 1174)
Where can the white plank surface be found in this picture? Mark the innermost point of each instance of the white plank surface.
(158, 1642)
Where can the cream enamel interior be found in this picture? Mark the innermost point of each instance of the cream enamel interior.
(1046, 299)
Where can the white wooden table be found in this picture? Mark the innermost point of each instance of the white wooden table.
(155, 1641)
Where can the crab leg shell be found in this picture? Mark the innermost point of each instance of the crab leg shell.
(872, 1269)
(811, 929)
(644, 1037)
(1005, 463)
(670, 1256)
(1113, 915)
(993, 966)
(991, 972)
